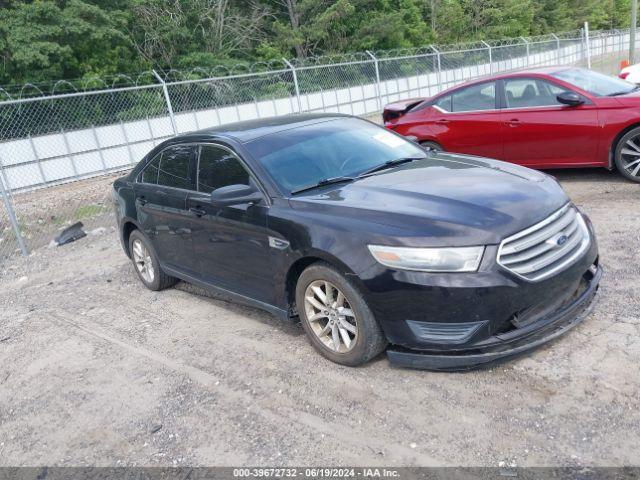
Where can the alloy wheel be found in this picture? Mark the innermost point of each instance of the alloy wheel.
(630, 157)
(330, 316)
(143, 262)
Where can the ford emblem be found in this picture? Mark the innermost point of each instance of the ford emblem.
(561, 240)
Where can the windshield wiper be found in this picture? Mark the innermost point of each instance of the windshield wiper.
(389, 164)
(322, 183)
(329, 181)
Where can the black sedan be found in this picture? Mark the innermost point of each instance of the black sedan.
(455, 261)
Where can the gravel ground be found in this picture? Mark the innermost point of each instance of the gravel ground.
(42, 214)
(96, 370)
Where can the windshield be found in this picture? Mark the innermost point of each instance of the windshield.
(594, 82)
(346, 147)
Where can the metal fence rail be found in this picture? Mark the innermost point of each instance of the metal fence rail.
(59, 153)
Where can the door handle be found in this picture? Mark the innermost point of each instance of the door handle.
(442, 121)
(142, 200)
(514, 122)
(197, 211)
(161, 192)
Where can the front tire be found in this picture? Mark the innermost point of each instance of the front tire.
(146, 263)
(627, 155)
(335, 317)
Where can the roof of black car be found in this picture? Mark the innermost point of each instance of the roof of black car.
(252, 129)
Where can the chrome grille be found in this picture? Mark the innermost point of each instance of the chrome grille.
(547, 247)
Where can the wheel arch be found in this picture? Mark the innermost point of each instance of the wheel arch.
(299, 265)
(422, 137)
(423, 142)
(128, 226)
(616, 140)
(421, 132)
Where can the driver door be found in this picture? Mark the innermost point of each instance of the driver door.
(231, 244)
(541, 132)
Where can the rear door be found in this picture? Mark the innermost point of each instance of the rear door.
(468, 121)
(161, 193)
(231, 243)
(541, 132)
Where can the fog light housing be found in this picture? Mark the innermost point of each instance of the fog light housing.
(445, 333)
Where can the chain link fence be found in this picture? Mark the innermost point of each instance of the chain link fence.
(59, 153)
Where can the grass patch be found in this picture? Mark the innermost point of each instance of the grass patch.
(88, 211)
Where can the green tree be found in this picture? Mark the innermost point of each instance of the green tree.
(177, 32)
(493, 19)
(44, 40)
(448, 20)
(312, 27)
(552, 16)
(398, 24)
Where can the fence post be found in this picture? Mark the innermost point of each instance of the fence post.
(67, 146)
(632, 32)
(490, 56)
(12, 214)
(168, 100)
(295, 83)
(615, 40)
(378, 86)
(100, 152)
(439, 66)
(526, 42)
(37, 158)
(557, 47)
(587, 45)
(126, 139)
(620, 43)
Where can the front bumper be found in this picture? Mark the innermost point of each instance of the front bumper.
(503, 346)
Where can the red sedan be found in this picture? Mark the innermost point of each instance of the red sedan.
(545, 118)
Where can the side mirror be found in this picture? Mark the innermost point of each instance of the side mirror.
(235, 195)
(570, 98)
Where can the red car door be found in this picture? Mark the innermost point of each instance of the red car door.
(540, 132)
(468, 121)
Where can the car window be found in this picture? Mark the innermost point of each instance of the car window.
(219, 168)
(174, 167)
(444, 103)
(475, 97)
(150, 173)
(531, 92)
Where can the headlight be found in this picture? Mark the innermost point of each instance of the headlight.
(458, 259)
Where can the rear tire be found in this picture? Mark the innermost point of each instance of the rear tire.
(432, 146)
(627, 155)
(146, 263)
(340, 326)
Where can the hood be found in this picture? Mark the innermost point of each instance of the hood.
(446, 199)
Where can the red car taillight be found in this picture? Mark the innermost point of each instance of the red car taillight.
(623, 75)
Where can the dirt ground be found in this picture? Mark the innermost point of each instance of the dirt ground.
(96, 370)
(42, 214)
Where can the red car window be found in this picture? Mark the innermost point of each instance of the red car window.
(530, 92)
(474, 97)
